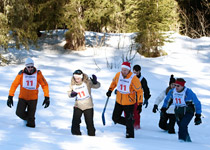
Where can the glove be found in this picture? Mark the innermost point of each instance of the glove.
(46, 102)
(163, 110)
(146, 103)
(10, 101)
(115, 91)
(197, 119)
(73, 94)
(139, 108)
(155, 108)
(108, 94)
(94, 79)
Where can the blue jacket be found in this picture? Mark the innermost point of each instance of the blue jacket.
(189, 97)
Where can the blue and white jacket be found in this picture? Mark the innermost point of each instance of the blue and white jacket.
(189, 97)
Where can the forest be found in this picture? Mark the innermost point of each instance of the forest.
(22, 21)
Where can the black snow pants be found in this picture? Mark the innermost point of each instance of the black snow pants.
(26, 110)
(88, 115)
(165, 125)
(128, 120)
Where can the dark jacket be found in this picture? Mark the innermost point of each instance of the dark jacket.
(145, 87)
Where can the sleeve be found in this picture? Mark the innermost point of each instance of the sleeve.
(196, 102)
(145, 89)
(114, 82)
(138, 89)
(95, 86)
(166, 100)
(70, 90)
(14, 85)
(42, 81)
(160, 98)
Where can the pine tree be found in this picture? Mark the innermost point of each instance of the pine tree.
(154, 18)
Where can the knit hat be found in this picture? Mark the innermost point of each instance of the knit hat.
(78, 73)
(172, 79)
(126, 65)
(180, 81)
(29, 62)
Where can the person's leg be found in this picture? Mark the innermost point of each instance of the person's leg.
(75, 128)
(128, 109)
(172, 121)
(183, 127)
(88, 114)
(136, 117)
(31, 113)
(116, 116)
(163, 121)
(21, 109)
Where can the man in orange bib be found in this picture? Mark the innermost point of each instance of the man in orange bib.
(129, 91)
(29, 80)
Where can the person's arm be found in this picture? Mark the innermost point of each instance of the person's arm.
(136, 84)
(146, 90)
(160, 98)
(196, 102)
(15, 84)
(42, 81)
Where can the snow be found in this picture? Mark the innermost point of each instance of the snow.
(187, 58)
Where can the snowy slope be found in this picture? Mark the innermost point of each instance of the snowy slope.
(186, 58)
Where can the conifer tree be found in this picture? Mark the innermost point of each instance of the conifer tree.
(153, 18)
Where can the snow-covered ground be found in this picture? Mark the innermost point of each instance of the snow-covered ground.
(187, 58)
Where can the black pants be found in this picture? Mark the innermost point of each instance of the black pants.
(128, 120)
(26, 110)
(88, 114)
(163, 123)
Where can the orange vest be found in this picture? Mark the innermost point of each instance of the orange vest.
(136, 92)
(27, 94)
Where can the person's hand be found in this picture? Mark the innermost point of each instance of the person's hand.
(109, 93)
(94, 79)
(46, 102)
(155, 108)
(73, 94)
(146, 103)
(10, 101)
(197, 119)
(139, 108)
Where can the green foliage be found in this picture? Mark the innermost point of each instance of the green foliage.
(4, 38)
(153, 18)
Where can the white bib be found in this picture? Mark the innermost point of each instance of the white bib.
(178, 98)
(82, 91)
(123, 85)
(30, 81)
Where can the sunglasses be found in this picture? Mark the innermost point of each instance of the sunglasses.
(29, 67)
(176, 85)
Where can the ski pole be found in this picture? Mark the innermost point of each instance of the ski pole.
(103, 116)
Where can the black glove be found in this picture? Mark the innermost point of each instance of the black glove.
(163, 110)
(94, 79)
(139, 108)
(73, 94)
(115, 91)
(146, 103)
(46, 102)
(10, 101)
(197, 119)
(155, 108)
(109, 93)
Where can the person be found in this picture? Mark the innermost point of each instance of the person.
(147, 95)
(129, 91)
(169, 115)
(29, 80)
(80, 89)
(186, 105)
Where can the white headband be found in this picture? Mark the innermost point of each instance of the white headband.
(79, 76)
(124, 66)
